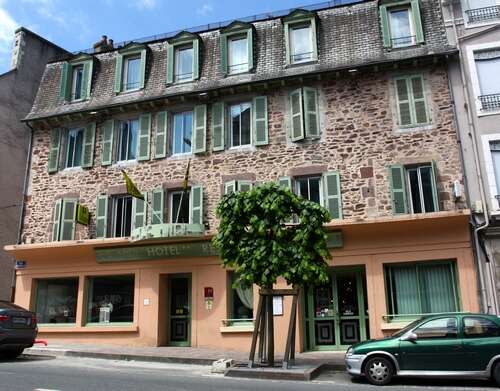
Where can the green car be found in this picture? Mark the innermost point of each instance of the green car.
(455, 345)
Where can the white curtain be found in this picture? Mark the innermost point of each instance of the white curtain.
(246, 296)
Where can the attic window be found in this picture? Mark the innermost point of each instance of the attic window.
(401, 24)
(300, 37)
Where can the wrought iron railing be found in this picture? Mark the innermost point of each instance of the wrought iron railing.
(484, 14)
(299, 57)
(403, 41)
(490, 102)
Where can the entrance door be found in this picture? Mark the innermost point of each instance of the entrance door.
(179, 300)
(336, 315)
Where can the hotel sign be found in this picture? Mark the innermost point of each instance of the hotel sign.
(175, 250)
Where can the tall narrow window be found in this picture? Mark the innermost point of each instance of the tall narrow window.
(74, 148)
(420, 189)
(179, 207)
(411, 101)
(241, 125)
(127, 140)
(238, 54)
(301, 43)
(240, 302)
(121, 216)
(77, 83)
(309, 188)
(184, 63)
(182, 133)
(495, 155)
(488, 73)
(401, 27)
(131, 74)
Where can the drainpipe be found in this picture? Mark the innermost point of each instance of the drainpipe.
(23, 209)
(473, 135)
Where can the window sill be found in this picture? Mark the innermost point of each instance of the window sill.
(124, 163)
(242, 148)
(89, 328)
(180, 82)
(480, 24)
(398, 48)
(71, 170)
(181, 155)
(487, 113)
(302, 63)
(124, 92)
(413, 128)
(237, 329)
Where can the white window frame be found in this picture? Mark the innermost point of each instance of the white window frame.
(74, 70)
(231, 38)
(490, 171)
(231, 126)
(298, 25)
(183, 130)
(80, 130)
(114, 207)
(420, 189)
(177, 50)
(412, 25)
(170, 195)
(120, 141)
(465, 7)
(309, 177)
(475, 77)
(125, 72)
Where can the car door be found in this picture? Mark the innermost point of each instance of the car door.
(437, 347)
(481, 341)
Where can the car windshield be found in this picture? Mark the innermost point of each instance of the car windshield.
(409, 327)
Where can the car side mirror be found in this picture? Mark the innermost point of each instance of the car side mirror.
(410, 337)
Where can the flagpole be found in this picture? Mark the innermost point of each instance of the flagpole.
(184, 187)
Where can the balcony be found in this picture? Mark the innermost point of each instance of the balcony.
(490, 102)
(485, 14)
(162, 231)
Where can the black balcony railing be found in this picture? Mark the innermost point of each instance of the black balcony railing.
(403, 41)
(490, 102)
(484, 14)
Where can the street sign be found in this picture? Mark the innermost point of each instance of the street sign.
(20, 264)
(82, 215)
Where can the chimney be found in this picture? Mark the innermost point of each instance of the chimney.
(103, 45)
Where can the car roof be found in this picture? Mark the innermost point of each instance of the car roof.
(462, 314)
(10, 306)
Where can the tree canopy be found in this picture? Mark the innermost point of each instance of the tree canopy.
(255, 239)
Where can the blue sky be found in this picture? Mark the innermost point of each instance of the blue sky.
(76, 25)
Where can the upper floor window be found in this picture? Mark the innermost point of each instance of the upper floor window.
(182, 133)
(131, 73)
(309, 188)
(401, 23)
(482, 11)
(121, 216)
(300, 37)
(241, 128)
(130, 68)
(401, 26)
(183, 58)
(488, 74)
(414, 189)
(179, 207)
(76, 78)
(236, 48)
(74, 146)
(184, 63)
(77, 83)
(304, 107)
(411, 100)
(127, 140)
(64, 219)
(237, 54)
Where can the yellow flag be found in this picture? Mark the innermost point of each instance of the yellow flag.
(131, 187)
(185, 183)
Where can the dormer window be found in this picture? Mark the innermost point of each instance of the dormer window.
(183, 58)
(300, 37)
(237, 54)
(401, 23)
(130, 68)
(77, 83)
(76, 78)
(236, 48)
(401, 27)
(184, 63)
(131, 73)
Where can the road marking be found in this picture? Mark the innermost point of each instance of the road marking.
(44, 389)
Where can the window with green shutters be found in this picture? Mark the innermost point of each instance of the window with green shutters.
(183, 58)
(130, 68)
(196, 205)
(199, 129)
(64, 219)
(158, 206)
(161, 135)
(300, 37)
(401, 23)
(55, 146)
(76, 78)
(139, 211)
(101, 216)
(411, 102)
(237, 185)
(236, 48)
(304, 110)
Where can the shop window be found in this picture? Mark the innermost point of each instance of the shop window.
(121, 215)
(487, 67)
(478, 327)
(183, 63)
(241, 129)
(127, 140)
(56, 300)
(422, 288)
(182, 133)
(110, 299)
(240, 302)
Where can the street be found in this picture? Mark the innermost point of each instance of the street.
(77, 374)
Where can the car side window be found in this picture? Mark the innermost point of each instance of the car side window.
(438, 328)
(478, 327)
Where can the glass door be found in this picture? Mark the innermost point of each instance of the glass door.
(179, 299)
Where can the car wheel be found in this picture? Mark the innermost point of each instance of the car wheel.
(496, 372)
(10, 354)
(379, 371)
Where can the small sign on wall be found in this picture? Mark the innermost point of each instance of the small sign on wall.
(20, 265)
(209, 298)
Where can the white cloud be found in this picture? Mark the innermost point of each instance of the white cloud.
(7, 27)
(205, 9)
(145, 4)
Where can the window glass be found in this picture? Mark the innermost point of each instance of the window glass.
(110, 299)
(240, 124)
(182, 133)
(438, 328)
(495, 155)
(77, 82)
(489, 75)
(414, 190)
(400, 26)
(184, 63)
(56, 300)
(238, 54)
(309, 188)
(240, 301)
(301, 43)
(476, 327)
(127, 149)
(122, 216)
(74, 148)
(179, 201)
(132, 73)
(420, 189)
(426, 179)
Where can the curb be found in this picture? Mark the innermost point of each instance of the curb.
(307, 374)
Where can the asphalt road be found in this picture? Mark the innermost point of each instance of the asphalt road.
(75, 374)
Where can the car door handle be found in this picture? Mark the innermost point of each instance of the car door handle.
(457, 347)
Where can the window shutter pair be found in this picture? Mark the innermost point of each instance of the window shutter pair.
(385, 28)
(199, 129)
(139, 211)
(411, 101)
(241, 185)
(305, 114)
(64, 219)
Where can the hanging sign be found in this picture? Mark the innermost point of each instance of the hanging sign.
(209, 298)
(82, 215)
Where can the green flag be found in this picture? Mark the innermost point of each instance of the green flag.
(131, 187)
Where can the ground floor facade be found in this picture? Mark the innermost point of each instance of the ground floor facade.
(383, 273)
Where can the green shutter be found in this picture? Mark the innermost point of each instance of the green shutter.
(250, 48)
(107, 142)
(88, 145)
(403, 101)
(87, 79)
(200, 129)
(118, 72)
(65, 82)
(196, 205)
(419, 102)
(196, 59)
(260, 126)
(285, 181)
(229, 187)
(56, 220)
(139, 211)
(158, 205)
(223, 54)
(170, 64)
(332, 194)
(55, 145)
(384, 26)
(287, 43)
(143, 145)
(244, 185)
(314, 39)
(101, 216)
(417, 21)
(297, 125)
(218, 126)
(311, 112)
(398, 189)
(161, 135)
(434, 183)
(142, 72)
(68, 219)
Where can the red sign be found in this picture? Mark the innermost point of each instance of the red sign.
(209, 293)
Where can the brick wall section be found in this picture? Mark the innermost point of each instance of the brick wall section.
(348, 36)
(358, 139)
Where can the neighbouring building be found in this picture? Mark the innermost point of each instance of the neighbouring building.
(346, 103)
(18, 88)
(474, 26)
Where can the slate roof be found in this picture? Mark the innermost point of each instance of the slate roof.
(348, 36)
